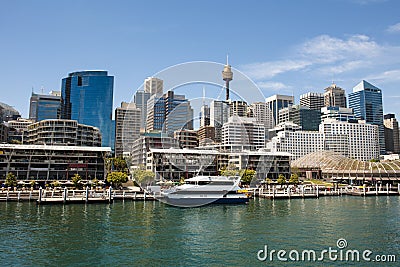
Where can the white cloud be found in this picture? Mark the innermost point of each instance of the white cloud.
(273, 86)
(394, 28)
(386, 76)
(367, 2)
(327, 49)
(327, 55)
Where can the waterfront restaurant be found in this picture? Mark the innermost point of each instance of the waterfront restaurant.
(44, 163)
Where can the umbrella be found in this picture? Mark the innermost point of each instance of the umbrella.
(21, 182)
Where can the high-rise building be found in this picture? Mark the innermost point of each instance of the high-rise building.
(153, 86)
(127, 127)
(169, 113)
(204, 115)
(87, 97)
(219, 114)
(238, 108)
(392, 141)
(140, 99)
(278, 102)
(206, 135)
(335, 96)
(244, 132)
(305, 117)
(366, 102)
(261, 112)
(44, 107)
(314, 101)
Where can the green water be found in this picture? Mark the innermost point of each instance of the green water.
(154, 234)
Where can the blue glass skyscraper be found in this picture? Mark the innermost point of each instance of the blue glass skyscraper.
(366, 102)
(87, 96)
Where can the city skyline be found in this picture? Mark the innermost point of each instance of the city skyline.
(284, 50)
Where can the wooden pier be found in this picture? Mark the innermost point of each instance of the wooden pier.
(68, 196)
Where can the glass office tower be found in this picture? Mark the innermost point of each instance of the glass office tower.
(87, 96)
(44, 107)
(366, 102)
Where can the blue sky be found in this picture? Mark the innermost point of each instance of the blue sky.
(286, 47)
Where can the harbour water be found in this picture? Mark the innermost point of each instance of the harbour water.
(154, 234)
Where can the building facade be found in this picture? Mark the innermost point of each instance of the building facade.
(219, 114)
(140, 99)
(308, 119)
(392, 138)
(153, 86)
(62, 133)
(186, 138)
(87, 97)
(142, 146)
(314, 101)
(127, 127)
(335, 96)
(45, 107)
(278, 102)
(261, 112)
(43, 163)
(206, 135)
(238, 108)
(366, 102)
(243, 131)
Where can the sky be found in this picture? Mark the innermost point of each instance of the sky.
(284, 47)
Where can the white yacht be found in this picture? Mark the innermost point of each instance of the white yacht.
(203, 190)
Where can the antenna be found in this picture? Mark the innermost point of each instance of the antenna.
(227, 59)
(204, 95)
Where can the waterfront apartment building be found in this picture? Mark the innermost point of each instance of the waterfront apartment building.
(45, 107)
(392, 138)
(44, 163)
(186, 138)
(244, 132)
(314, 101)
(87, 97)
(366, 102)
(174, 164)
(142, 146)
(127, 127)
(335, 96)
(16, 129)
(278, 102)
(219, 114)
(308, 119)
(62, 133)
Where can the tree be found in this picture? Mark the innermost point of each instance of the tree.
(247, 175)
(294, 178)
(120, 164)
(76, 179)
(143, 176)
(117, 178)
(281, 179)
(230, 170)
(11, 180)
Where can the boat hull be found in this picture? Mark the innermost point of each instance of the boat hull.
(196, 202)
